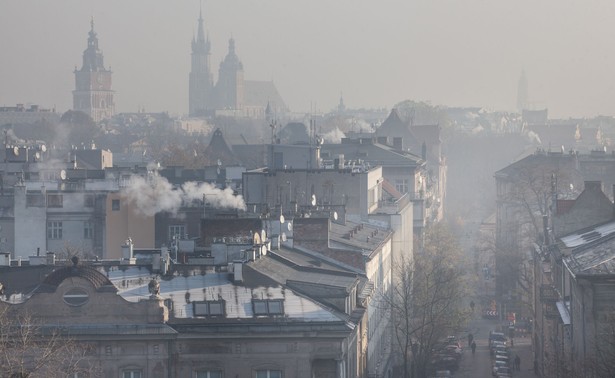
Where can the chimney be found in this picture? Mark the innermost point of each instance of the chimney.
(5, 259)
(127, 253)
(593, 185)
(51, 258)
(237, 271)
(312, 233)
(424, 151)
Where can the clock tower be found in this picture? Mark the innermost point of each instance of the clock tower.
(93, 94)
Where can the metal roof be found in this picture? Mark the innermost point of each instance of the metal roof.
(182, 290)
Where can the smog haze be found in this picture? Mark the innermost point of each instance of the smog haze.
(375, 53)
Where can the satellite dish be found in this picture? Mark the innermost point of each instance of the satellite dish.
(16, 151)
(37, 155)
(263, 235)
(63, 175)
(257, 238)
(313, 202)
(283, 236)
(281, 219)
(335, 215)
(289, 226)
(43, 148)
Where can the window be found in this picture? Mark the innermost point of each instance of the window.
(54, 200)
(208, 308)
(268, 307)
(115, 205)
(132, 374)
(87, 230)
(269, 374)
(178, 230)
(76, 297)
(54, 230)
(401, 186)
(209, 374)
(35, 200)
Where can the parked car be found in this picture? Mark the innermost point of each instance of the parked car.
(500, 370)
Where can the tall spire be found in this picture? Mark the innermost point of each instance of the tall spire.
(201, 32)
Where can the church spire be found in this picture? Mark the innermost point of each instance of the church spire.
(201, 32)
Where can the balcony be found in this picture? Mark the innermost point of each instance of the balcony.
(551, 311)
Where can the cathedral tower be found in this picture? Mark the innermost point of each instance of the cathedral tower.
(230, 86)
(93, 94)
(201, 80)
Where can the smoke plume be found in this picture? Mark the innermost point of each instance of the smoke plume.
(156, 194)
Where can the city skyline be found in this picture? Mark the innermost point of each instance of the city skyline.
(453, 53)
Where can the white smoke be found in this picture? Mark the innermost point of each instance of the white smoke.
(156, 194)
(533, 137)
(334, 136)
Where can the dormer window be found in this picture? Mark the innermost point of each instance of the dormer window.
(209, 308)
(268, 307)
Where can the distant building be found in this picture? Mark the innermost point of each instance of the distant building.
(20, 114)
(231, 95)
(93, 94)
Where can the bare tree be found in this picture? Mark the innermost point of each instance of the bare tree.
(426, 303)
(30, 349)
(603, 361)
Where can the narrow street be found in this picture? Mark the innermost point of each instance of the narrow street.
(478, 365)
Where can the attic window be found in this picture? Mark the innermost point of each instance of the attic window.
(268, 307)
(76, 297)
(208, 308)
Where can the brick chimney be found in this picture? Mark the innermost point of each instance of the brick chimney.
(312, 233)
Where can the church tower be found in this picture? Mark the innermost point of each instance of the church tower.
(200, 84)
(230, 86)
(93, 94)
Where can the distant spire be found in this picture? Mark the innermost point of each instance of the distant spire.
(201, 32)
(92, 23)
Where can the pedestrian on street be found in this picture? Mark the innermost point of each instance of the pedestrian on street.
(517, 362)
(470, 339)
(473, 346)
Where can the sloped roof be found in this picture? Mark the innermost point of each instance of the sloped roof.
(544, 159)
(394, 122)
(590, 251)
(262, 93)
(219, 150)
(182, 290)
(564, 206)
(373, 153)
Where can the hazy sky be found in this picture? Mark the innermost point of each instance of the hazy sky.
(447, 52)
